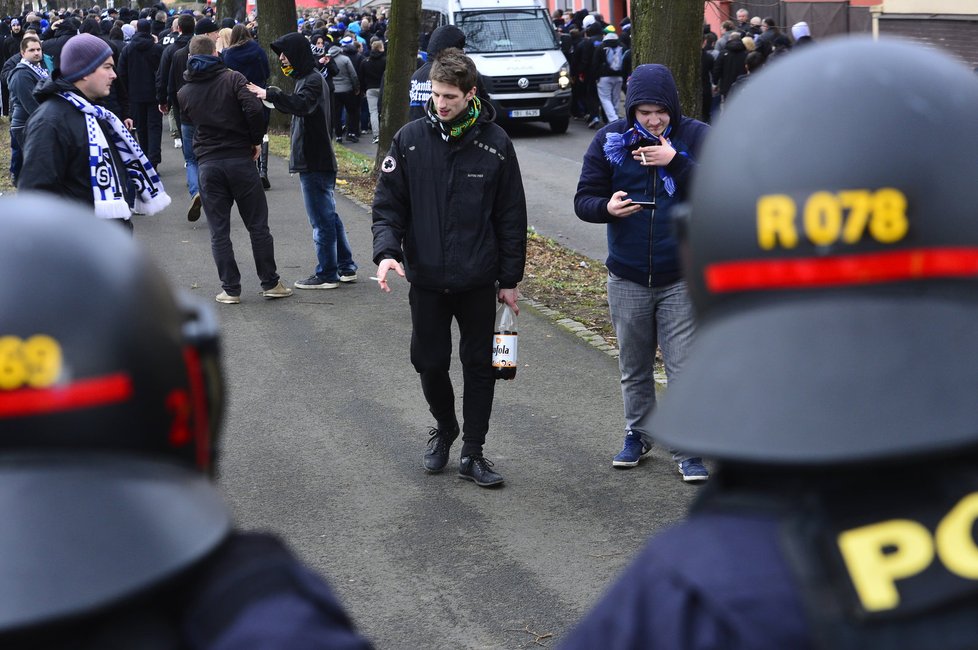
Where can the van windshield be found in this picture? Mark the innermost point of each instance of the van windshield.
(506, 31)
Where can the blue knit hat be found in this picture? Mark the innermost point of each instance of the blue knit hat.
(81, 55)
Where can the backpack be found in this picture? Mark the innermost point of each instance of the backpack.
(614, 56)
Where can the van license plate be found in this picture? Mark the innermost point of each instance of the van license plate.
(528, 112)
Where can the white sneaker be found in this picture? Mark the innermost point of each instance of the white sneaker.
(177, 143)
(278, 291)
(227, 299)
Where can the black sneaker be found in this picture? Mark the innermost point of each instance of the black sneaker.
(477, 469)
(436, 455)
(353, 137)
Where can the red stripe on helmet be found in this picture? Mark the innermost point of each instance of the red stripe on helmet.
(839, 271)
(84, 393)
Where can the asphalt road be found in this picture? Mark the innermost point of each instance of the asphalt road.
(326, 425)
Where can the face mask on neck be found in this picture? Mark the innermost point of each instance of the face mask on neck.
(287, 69)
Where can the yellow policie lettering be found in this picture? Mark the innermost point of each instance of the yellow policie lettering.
(35, 362)
(828, 218)
(879, 555)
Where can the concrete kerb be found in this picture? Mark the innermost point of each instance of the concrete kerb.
(561, 320)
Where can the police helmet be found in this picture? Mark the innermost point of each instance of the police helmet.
(110, 405)
(835, 277)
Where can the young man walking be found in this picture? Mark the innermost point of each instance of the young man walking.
(450, 215)
(312, 157)
(230, 124)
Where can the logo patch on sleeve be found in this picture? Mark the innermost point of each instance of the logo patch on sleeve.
(388, 165)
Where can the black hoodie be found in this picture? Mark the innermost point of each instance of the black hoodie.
(137, 68)
(309, 105)
(230, 119)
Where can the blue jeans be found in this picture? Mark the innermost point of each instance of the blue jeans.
(16, 150)
(333, 254)
(187, 132)
(644, 317)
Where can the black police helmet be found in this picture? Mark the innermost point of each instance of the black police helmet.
(110, 403)
(836, 276)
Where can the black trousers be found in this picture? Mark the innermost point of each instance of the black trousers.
(226, 182)
(351, 103)
(431, 354)
(149, 129)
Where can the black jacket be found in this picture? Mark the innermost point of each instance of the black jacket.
(137, 68)
(730, 64)
(454, 212)
(371, 70)
(22, 81)
(56, 157)
(229, 118)
(163, 73)
(309, 105)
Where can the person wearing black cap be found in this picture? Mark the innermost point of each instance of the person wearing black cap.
(137, 68)
(833, 374)
(115, 535)
(77, 149)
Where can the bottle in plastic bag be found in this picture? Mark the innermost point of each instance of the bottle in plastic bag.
(504, 343)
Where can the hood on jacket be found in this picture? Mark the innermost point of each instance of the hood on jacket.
(652, 83)
(296, 49)
(445, 37)
(51, 86)
(203, 66)
(142, 41)
(735, 45)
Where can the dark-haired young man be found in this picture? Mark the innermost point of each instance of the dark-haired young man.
(450, 206)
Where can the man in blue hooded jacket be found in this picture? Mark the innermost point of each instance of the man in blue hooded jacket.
(635, 171)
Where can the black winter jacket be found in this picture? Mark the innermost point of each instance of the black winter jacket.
(454, 212)
(163, 90)
(309, 105)
(229, 118)
(22, 81)
(138, 63)
(56, 158)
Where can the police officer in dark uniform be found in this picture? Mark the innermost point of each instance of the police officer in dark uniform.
(113, 535)
(835, 372)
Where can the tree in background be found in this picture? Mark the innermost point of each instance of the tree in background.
(670, 32)
(404, 25)
(276, 18)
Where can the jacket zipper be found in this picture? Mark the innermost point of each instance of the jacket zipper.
(651, 228)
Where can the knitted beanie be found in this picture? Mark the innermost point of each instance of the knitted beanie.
(81, 55)
(144, 26)
(205, 26)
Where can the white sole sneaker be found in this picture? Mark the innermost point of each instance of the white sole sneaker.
(348, 278)
(324, 285)
(223, 297)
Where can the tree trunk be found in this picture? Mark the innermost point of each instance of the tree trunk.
(670, 32)
(402, 54)
(276, 18)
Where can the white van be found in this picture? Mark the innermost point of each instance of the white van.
(516, 50)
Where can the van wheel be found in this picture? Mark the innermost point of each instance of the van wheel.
(560, 124)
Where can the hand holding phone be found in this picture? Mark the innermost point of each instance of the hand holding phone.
(644, 204)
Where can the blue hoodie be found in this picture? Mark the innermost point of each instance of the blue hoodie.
(642, 247)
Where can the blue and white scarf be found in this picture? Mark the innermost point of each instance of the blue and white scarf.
(39, 70)
(107, 188)
(616, 149)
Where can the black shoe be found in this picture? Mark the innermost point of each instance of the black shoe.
(339, 139)
(353, 137)
(193, 214)
(265, 184)
(476, 469)
(436, 455)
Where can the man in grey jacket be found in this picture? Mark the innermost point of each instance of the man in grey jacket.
(346, 85)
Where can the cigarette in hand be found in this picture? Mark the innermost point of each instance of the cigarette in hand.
(644, 161)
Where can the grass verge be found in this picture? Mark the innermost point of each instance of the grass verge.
(563, 280)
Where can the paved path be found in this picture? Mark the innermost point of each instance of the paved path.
(326, 425)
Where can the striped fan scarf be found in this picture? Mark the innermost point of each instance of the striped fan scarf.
(107, 188)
